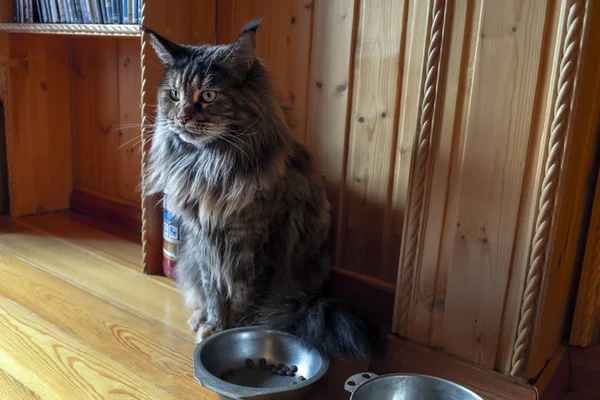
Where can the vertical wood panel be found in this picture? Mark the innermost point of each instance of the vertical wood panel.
(84, 111)
(371, 138)
(329, 90)
(558, 286)
(106, 133)
(283, 42)
(38, 126)
(417, 36)
(106, 116)
(6, 11)
(488, 189)
(129, 154)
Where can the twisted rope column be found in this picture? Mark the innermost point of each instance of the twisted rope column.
(547, 200)
(412, 231)
(145, 139)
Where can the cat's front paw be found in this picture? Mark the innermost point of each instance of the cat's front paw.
(198, 317)
(204, 331)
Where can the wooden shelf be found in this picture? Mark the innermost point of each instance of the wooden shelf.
(73, 29)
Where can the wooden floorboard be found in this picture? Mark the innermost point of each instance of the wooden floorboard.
(84, 233)
(12, 389)
(152, 352)
(61, 225)
(55, 365)
(100, 275)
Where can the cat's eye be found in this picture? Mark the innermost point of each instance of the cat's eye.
(208, 96)
(175, 95)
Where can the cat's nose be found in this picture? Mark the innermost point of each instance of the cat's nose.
(184, 119)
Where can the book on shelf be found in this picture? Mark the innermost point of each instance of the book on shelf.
(77, 11)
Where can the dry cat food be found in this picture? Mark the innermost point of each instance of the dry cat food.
(280, 369)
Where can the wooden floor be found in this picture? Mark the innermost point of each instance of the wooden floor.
(78, 320)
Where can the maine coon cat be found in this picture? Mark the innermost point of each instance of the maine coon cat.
(254, 212)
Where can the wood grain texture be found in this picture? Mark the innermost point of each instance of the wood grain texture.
(574, 189)
(39, 149)
(425, 140)
(121, 213)
(101, 276)
(12, 389)
(64, 226)
(478, 175)
(156, 354)
(413, 65)
(489, 186)
(283, 42)
(429, 279)
(371, 140)
(56, 365)
(106, 117)
(329, 94)
(129, 162)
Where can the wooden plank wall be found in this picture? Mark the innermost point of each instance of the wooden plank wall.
(494, 107)
(335, 63)
(38, 134)
(106, 115)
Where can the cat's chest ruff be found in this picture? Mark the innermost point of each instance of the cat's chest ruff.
(216, 210)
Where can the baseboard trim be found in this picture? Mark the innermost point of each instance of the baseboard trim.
(120, 213)
(374, 297)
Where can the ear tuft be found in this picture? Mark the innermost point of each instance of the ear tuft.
(243, 54)
(166, 50)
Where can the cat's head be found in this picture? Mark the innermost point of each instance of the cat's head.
(208, 91)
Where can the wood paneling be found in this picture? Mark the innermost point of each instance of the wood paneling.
(106, 115)
(487, 178)
(573, 248)
(372, 138)
(329, 92)
(283, 42)
(38, 130)
(120, 213)
(494, 146)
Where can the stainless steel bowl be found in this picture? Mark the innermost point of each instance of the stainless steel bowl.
(229, 350)
(370, 386)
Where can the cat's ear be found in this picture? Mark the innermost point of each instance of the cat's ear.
(165, 49)
(245, 45)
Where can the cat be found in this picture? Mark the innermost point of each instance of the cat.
(254, 211)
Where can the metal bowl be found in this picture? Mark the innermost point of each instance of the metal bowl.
(229, 350)
(370, 386)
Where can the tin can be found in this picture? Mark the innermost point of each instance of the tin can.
(172, 238)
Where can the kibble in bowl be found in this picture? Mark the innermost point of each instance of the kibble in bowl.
(264, 362)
